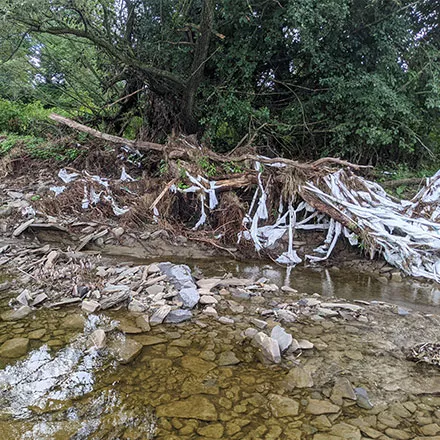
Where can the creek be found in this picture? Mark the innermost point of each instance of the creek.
(203, 379)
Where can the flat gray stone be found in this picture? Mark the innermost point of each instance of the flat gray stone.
(178, 274)
(97, 339)
(90, 306)
(227, 358)
(39, 299)
(126, 351)
(159, 315)
(177, 316)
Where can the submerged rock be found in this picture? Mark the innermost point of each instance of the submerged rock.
(14, 348)
(74, 321)
(37, 334)
(127, 350)
(228, 358)
(15, 315)
(282, 406)
(318, 407)
(298, 377)
(194, 407)
(97, 339)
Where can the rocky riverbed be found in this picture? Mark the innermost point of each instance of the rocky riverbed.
(140, 351)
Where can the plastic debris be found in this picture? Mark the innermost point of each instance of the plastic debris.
(58, 189)
(67, 177)
(125, 177)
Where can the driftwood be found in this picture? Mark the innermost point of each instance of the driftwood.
(323, 195)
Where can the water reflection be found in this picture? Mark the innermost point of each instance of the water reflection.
(348, 284)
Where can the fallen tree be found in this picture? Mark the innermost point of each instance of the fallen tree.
(287, 195)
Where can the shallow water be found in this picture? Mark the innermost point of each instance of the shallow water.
(62, 390)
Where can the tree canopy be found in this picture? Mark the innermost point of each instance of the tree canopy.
(353, 78)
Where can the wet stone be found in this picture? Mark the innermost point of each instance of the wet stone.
(194, 407)
(74, 322)
(196, 365)
(228, 358)
(126, 351)
(15, 315)
(97, 339)
(14, 348)
(342, 389)
(362, 399)
(318, 407)
(159, 315)
(143, 322)
(90, 306)
(298, 377)
(37, 334)
(215, 430)
(282, 406)
(147, 340)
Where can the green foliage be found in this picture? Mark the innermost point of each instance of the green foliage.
(356, 79)
(38, 148)
(207, 166)
(232, 168)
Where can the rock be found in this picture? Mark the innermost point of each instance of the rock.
(321, 311)
(39, 299)
(179, 275)
(269, 347)
(305, 345)
(74, 321)
(298, 377)
(154, 289)
(318, 407)
(309, 302)
(258, 323)
(226, 320)
(431, 429)
(250, 332)
(210, 311)
(345, 431)
(177, 316)
(147, 340)
(197, 365)
(15, 194)
(402, 311)
(194, 407)
(126, 351)
(116, 298)
(14, 348)
(37, 334)
(344, 306)
(228, 358)
(189, 297)
(143, 322)
(128, 328)
(15, 315)
(207, 299)
(398, 434)
(283, 338)
(286, 316)
(118, 232)
(153, 269)
(90, 306)
(159, 315)
(24, 298)
(362, 399)
(215, 430)
(282, 406)
(97, 339)
(136, 306)
(342, 389)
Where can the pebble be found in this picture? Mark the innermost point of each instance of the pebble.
(226, 320)
(90, 306)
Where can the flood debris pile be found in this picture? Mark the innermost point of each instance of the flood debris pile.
(250, 198)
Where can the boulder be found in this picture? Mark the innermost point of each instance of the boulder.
(189, 297)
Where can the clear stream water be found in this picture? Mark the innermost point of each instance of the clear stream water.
(61, 390)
